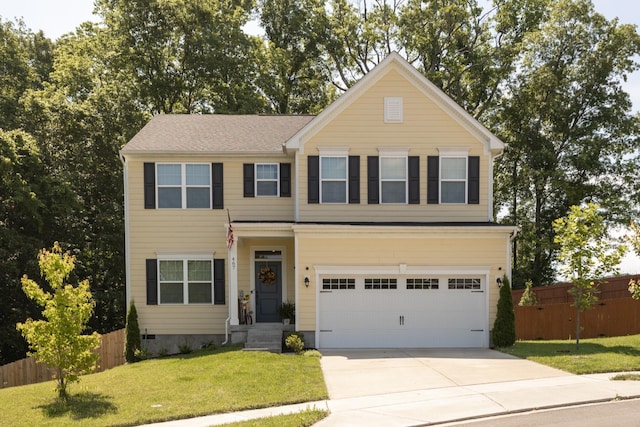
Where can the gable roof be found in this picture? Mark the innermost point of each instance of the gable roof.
(215, 133)
(396, 62)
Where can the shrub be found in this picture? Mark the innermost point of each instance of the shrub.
(184, 348)
(312, 353)
(132, 342)
(287, 311)
(528, 298)
(295, 342)
(504, 328)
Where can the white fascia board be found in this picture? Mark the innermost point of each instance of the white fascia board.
(403, 270)
(407, 231)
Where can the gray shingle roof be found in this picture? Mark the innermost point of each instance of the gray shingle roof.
(214, 133)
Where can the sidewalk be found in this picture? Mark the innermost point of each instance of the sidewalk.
(446, 404)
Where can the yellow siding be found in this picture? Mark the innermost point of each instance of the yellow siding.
(425, 128)
(419, 248)
(190, 230)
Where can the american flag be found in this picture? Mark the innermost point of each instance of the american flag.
(229, 232)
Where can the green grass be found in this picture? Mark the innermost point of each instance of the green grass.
(595, 355)
(200, 383)
(301, 419)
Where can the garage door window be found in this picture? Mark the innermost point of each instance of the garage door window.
(328, 284)
(381, 283)
(464, 284)
(422, 283)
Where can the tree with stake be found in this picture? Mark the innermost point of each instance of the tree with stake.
(58, 341)
(503, 333)
(585, 255)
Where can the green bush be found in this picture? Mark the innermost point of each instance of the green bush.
(528, 298)
(132, 344)
(295, 342)
(504, 328)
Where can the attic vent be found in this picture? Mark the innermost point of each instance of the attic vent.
(393, 109)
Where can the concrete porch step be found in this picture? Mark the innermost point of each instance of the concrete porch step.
(264, 337)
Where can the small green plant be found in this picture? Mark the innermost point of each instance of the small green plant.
(184, 348)
(141, 354)
(295, 342)
(287, 311)
(132, 335)
(312, 353)
(163, 352)
(504, 327)
(528, 298)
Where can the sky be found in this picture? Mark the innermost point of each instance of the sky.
(57, 17)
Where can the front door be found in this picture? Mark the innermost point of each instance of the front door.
(268, 279)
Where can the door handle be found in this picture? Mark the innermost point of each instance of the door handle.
(401, 320)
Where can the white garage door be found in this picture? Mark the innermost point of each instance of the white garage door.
(410, 312)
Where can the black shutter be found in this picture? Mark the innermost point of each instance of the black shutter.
(313, 179)
(217, 187)
(473, 196)
(248, 171)
(354, 179)
(433, 178)
(218, 281)
(149, 185)
(285, 179)
(152, 282)
(414, 180)
(373, 181)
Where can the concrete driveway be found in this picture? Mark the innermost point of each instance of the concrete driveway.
(356, 373)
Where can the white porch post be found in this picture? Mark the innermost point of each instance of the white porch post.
(233, 282)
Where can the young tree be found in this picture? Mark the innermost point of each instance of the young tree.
(585, 255)
(503, 333)
(58, 341)
(634, 241)
(132, 335)
(528, 296)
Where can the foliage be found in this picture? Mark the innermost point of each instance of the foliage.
(312, 353)
(58, 341)
(528, 297)
(503, 333)
(585, 255)
(295, 342)
(634, 238)
(132, 342)
(634, 289)
(287, 310)
(185, 348)
(614, 354)
(201, 383)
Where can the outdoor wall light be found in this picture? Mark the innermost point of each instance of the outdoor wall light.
(499, 282)
(306, 281)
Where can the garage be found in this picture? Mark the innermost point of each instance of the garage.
(407, 311)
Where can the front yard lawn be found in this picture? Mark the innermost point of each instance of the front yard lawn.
(200, 383)
(595, 355)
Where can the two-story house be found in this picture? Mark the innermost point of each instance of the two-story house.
(375, 217)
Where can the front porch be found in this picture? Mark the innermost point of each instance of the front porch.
(261, 337)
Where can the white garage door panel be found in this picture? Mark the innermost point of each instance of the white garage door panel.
(384, 318)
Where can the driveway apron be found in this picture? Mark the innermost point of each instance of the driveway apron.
(363, 372)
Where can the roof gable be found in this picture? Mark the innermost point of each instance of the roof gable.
(395, 62)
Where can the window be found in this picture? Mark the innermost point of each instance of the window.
(338, 284)
(333, 179)
(185, 281)
(184, 186)
(464, 284)
(453, 180)
(381, 283)
(267, 179)
(422, 283)
(393, 179)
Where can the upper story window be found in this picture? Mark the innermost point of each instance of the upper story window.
(267, 179)
(393, 179)
(185, 281)
(333, 179)
(183, 185)
(453, 179)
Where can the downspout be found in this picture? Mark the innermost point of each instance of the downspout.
(226, 328)
(127, 250)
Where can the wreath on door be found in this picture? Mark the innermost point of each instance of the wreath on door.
(267, 276)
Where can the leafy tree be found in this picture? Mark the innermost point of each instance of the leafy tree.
(528, 297)
(132, 335)
(58, 341)
(634, 241)
(585, 255)
(503, 333)
(570, 130)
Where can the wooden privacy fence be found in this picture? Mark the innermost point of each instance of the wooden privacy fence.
(27, 371)
(608, 318)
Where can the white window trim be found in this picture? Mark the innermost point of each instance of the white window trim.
(465, 180)
(345, 180)
(183, 185)
(185, 277)
(256, 180)
(405, 180)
